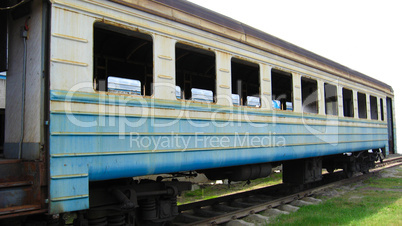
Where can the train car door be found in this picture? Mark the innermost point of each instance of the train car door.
(2, 122)
(390, 120)
(3, 41)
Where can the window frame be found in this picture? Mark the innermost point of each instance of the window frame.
(245, 99)
(146, 80)
(328, 96)
(359, 110)
(185, 79)
(303, 98)
(288, 76)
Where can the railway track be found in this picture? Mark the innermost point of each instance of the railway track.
(260, 204)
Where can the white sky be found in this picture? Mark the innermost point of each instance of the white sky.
(363, 35)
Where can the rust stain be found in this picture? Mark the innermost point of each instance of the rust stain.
(70, 37)
(63, 61)
(165, 57)
(21, 185)
(165, 77)
(224, 70)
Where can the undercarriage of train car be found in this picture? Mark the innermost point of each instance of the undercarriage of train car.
(153, 202)
(301, 171)
(353, 162)
(130, 202)
(148, 202)
(136, 202)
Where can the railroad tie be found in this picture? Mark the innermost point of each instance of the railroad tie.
(274, 212)
(257, 219)
(288, 208)
(312, 200)
(239, 223)
(300, 203)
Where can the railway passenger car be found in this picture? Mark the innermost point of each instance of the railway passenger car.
(99, 92)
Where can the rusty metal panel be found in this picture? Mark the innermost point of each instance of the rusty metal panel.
(22, 186)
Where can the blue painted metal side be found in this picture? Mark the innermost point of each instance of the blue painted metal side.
(113, 146)
(132, 101)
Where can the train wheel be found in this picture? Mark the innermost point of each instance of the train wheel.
(365, 170)
(348, 173)
(348, 170)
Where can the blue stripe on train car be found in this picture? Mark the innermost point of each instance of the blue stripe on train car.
(112, 146)
(134, 101)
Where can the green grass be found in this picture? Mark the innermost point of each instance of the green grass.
(399, 173)
(385, 183)
(214, 191)
(377, 202)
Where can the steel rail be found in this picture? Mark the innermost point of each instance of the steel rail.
(238, 214)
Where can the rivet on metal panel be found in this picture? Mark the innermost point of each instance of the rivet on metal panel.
(165, 57)
(72, 38)
(165, 77)
(62, 61)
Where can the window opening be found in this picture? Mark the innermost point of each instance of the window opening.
(362, 105)
(123, 60)
(282, 90)
(348, 110)
(245, 83)
(331, 99)
(309, 95)
(178, 92)
(373, 108)
(236, 99)
(195, 73)
(123, 85)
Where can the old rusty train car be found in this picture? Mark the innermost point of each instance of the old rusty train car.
(99, 92)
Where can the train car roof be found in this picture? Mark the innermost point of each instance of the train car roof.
(229, 23)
